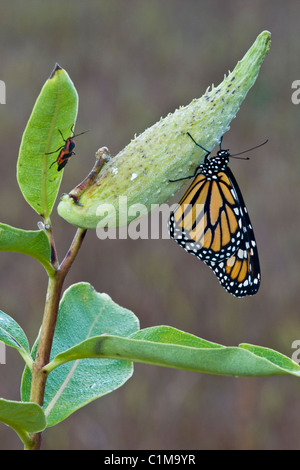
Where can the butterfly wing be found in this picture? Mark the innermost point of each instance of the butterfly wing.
(240, 273)
(207, 221)
(212, 223)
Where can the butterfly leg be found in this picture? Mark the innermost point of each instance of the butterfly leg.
(186, 177)
(221, 143)
(198, 167)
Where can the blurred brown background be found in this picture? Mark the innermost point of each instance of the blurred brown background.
(133, 62)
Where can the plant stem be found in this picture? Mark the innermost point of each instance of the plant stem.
(39, 378)
(72, 252)
(55, 283)
(102, 156)
(48, 230)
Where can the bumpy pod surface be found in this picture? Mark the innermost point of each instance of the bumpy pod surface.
(142, 170)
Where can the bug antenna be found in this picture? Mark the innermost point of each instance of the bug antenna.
(256, 147)
(76, 135)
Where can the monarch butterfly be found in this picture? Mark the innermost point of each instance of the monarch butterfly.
(211, 222)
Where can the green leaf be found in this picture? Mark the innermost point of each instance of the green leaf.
(166, 346)
(83, 313)
(34, 243)
(23, 417)
(272, 356)
(12, 335)
(54, 110)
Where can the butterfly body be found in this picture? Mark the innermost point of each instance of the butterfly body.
(212, 223)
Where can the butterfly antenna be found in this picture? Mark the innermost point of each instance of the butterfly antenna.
(245, 151)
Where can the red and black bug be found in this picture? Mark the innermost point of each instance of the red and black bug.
(66, 150)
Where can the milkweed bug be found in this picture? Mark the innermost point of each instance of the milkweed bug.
(66, 150)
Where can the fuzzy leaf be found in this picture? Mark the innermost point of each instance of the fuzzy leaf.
(34, 243)
(12, 335)
(169, 347)
(24, 418)
(83, 313)
(54, 110)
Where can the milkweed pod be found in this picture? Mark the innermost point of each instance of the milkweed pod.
(141, 172)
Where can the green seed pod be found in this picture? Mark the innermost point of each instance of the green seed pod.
(140, 173)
